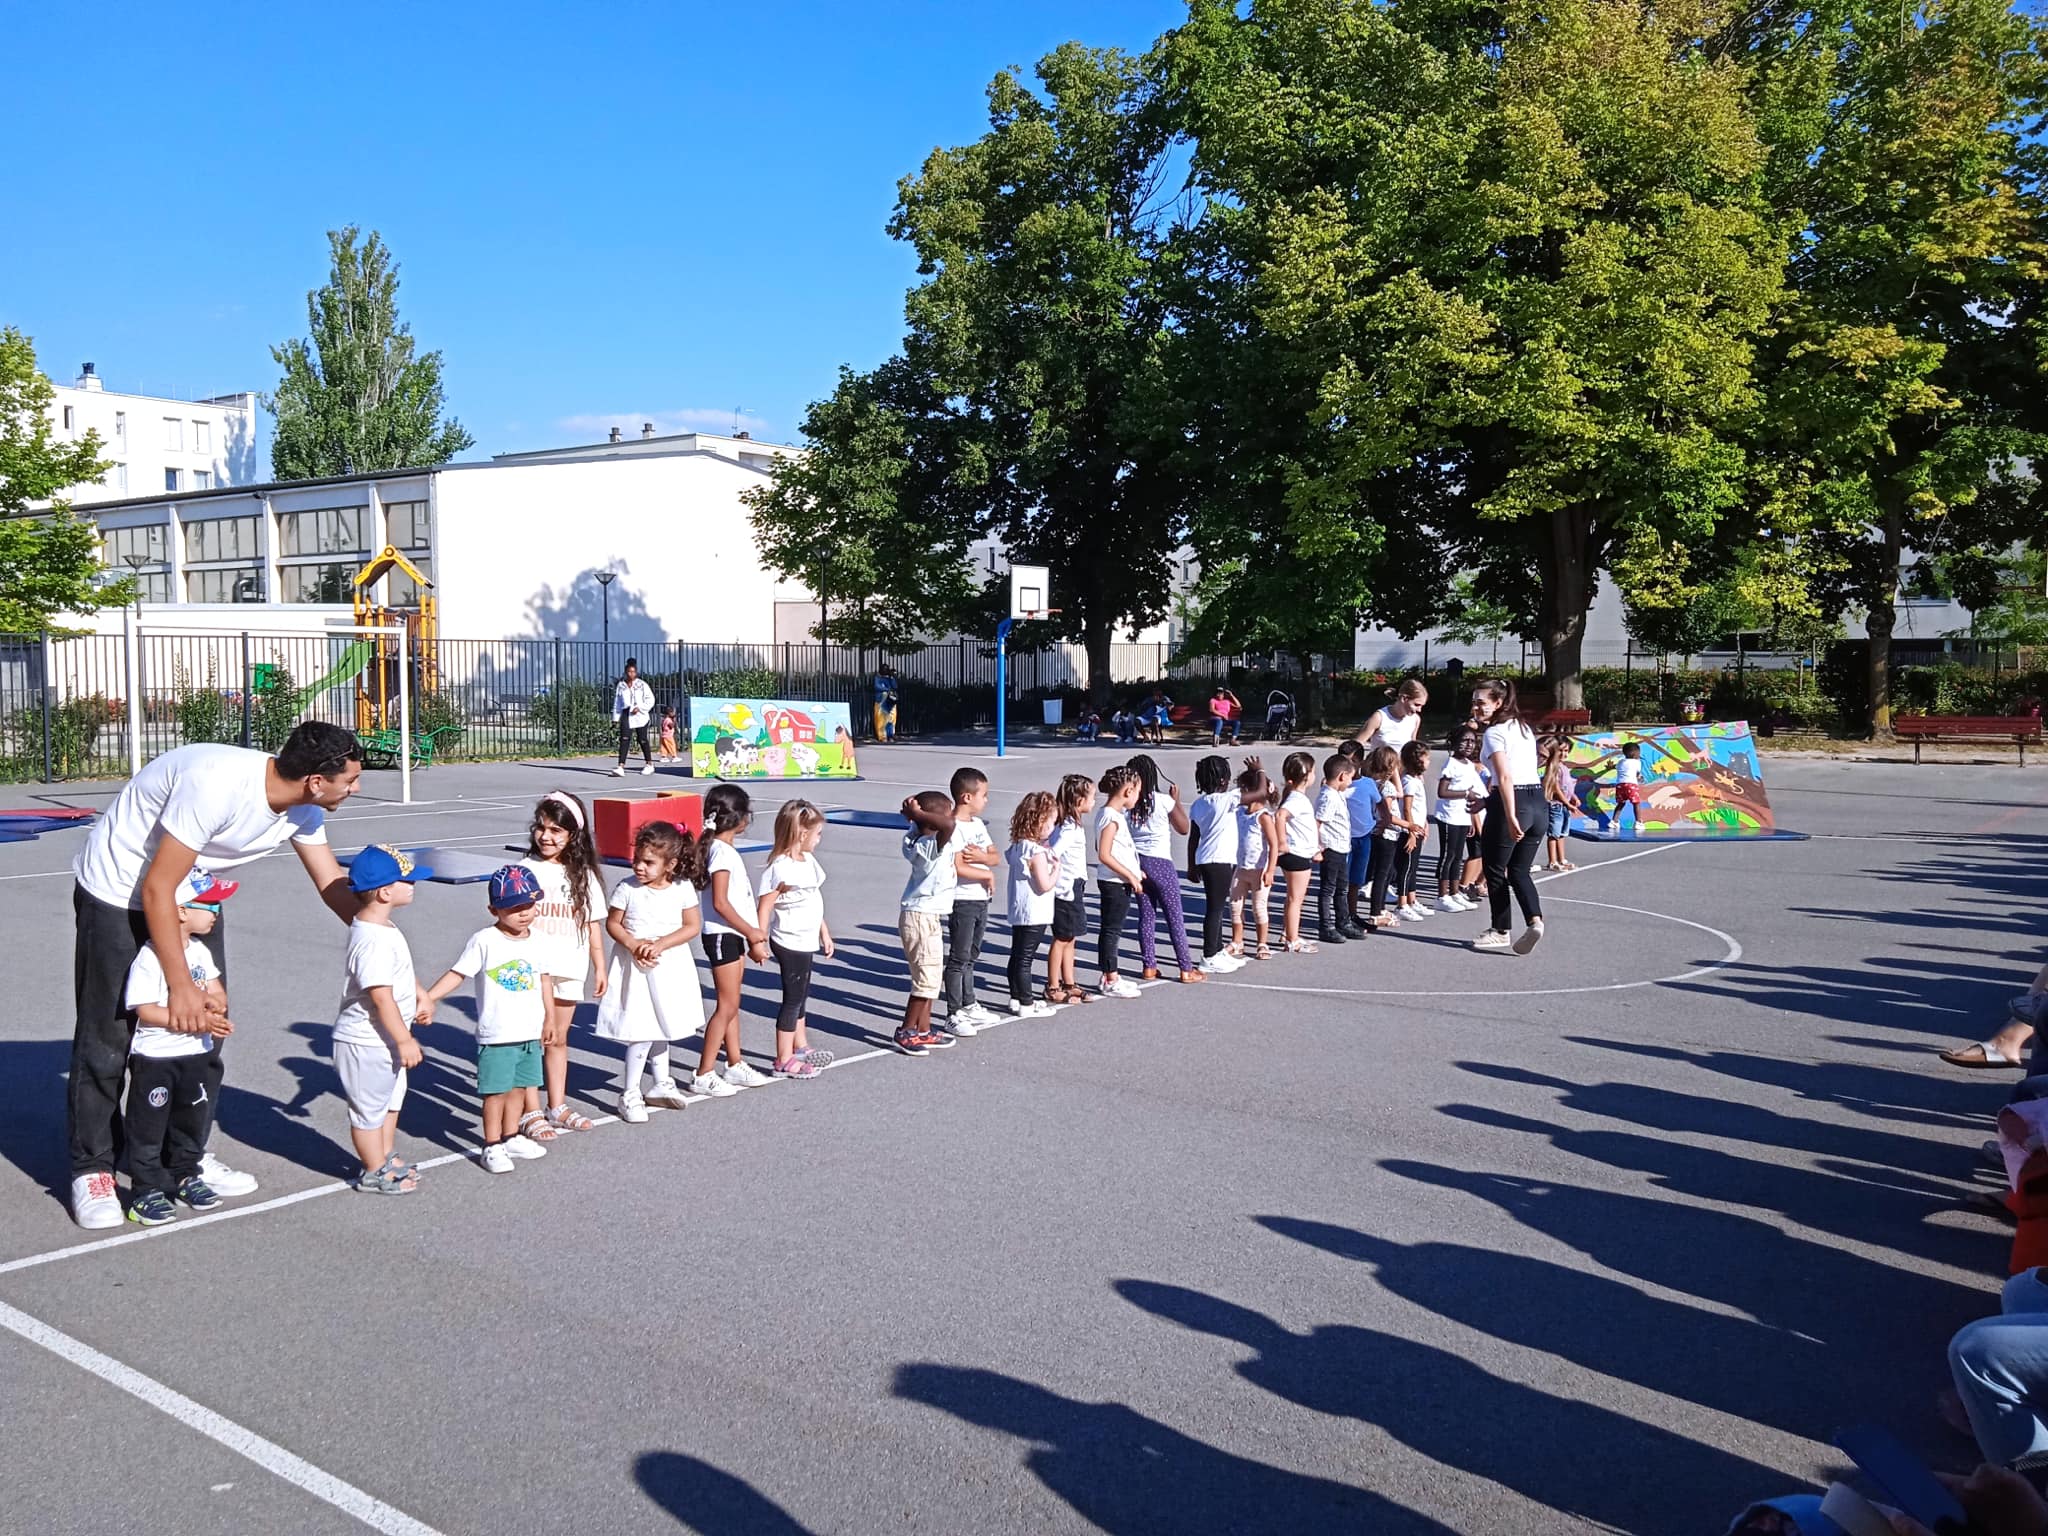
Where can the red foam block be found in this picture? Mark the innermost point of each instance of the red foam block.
(616, 822)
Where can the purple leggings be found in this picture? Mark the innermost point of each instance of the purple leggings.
(1161, 890)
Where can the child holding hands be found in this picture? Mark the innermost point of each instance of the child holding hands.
(792, 912)
(653, 996)
(374, 1046)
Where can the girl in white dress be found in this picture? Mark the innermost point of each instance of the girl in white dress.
(654, 995)
(562, 856)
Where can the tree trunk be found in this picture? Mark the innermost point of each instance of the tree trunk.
(1567, 593)
(1311, 691)
(1884, 617)
(1096, 638)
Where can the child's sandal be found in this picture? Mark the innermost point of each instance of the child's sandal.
(395, 1177)
(563, 1118)
(533, 1125)
(1263, 952)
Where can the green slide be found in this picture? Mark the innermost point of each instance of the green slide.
(352, 662)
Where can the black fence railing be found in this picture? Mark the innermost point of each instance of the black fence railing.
(64, 699)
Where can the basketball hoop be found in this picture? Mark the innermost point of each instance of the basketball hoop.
(1030, 585)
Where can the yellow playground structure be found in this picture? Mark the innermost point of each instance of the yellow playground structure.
(377, 682)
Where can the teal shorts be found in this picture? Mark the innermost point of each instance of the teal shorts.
(501, 1068)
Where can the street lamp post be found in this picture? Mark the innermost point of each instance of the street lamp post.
(604, 581)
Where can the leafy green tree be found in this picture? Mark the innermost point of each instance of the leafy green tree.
(1527, 248)
(1906, 385)
(354, 397)
(1041, 317)
(49, 560)
(1476, 619)
(862, 521)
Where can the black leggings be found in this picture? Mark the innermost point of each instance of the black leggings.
(1116, 906)
(630, 734)
(1216, 880)
(1379, 871)
(1508, 860)
(1450, 856)
(796, 985)
(1024, 941)
(1333, 890)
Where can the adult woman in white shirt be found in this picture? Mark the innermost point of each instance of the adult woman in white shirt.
(632, 705)
(1396, 722)
(1515, 817)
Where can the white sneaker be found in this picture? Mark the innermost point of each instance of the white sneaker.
(496, 1159)
(1413, 914)
(1531, 937)
(962, 1024)
(94, 1204)
(645, 769)
(1449, 904)
(525, 1148)
(619, 772)
(976, 1014)
(712, 1086)
(668, 1093)
(1493, 938)
(1123, 986)
(224, 1180)
(744, 1076)
(1229, 962)
(1038, 1008)
(633, 1109)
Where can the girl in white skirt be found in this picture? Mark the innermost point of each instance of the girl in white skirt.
(654, 995)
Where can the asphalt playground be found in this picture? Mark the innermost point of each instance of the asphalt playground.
(1398, 1238)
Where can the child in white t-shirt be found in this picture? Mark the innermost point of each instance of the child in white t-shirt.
(1415, 824)
(1300, 846)
(1460, 784)
(570, 928)
(174, 1078)
(373, 1041)
(1069, 848)
(974, 852)
(793, 914)
(1033, 871)
(1212, 855)
(653, 996)
(1258, 850)
(514, 1007)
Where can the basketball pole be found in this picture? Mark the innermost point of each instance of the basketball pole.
(1002, 679)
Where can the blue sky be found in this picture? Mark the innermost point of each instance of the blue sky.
(605, 214)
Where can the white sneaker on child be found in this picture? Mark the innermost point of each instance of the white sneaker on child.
(712, 1086)
(740, 1075)
(632, 1109)
(496, 1159)
(668, 1093)
(225, 1181)
(974, 1013)
(524, 1148)
(962, 1024)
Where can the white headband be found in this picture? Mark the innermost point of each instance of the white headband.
(556, 797)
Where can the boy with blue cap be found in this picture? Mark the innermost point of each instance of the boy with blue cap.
(373, 1041)
(514, 1012)
(174, 1078)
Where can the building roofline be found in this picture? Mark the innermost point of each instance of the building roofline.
(131, 394)
(639, 445)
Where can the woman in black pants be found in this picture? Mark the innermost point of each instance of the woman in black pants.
(1515, 817)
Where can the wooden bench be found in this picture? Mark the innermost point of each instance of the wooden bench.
(380, 748)
(2017, 729)
(1561, 722)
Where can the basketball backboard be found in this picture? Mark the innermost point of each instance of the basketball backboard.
(1030, 592)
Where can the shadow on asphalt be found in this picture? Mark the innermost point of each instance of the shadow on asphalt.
(708, 1501)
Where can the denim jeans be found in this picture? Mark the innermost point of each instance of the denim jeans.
(965, 932)
(2000, 1366)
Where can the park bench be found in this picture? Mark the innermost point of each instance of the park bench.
(380, 748)
(1561, 722)
(2017, 729)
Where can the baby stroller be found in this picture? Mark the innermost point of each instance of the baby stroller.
(1280, 718)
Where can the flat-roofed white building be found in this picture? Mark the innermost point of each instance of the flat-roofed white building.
(157, 444)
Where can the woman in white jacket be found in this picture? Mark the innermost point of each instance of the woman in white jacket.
(632, 707)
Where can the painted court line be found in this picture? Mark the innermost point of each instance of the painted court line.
(267, 1454)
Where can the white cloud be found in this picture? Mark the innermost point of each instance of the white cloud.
(722, 421)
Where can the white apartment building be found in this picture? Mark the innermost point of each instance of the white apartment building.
(157, 444)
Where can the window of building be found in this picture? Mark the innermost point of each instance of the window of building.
(202, 437)
(202, 479)
(174, 434)
(1922, 582)
(222, 584)
(329, 531)
(316, 583)
(408, 521)
(223, 538)
(170, 480)
(120, 426)
(151, 586)
(144, 543)
(70, 418)
(120, 477)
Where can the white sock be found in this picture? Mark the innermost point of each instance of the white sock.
(636, 1058)
(658, 1064)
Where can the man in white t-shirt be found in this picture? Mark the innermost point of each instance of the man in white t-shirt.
(632, 708)
(204, 806)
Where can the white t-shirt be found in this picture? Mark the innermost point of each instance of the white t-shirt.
(1214, 816)
(1333, 815)
(1028, 904)
(651, 913)
(1120, 842)
(1629, 771)
(970, 832)
(378, 956)
(566, 947)
(1251, 838)
(1464, 778)
(798, 916)
(634, 700)
(932, 882)
(1393, 731)
(739, 888)
(1299, 837)
(1070, 846)
(508, 973)
(1417, 795)
(147, 984)
(1518, 742)
(208, 797)
(1153, 837)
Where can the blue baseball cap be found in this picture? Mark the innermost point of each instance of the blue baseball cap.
(513, 887)
(380, 865)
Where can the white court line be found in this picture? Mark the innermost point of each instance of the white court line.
(267, 1454)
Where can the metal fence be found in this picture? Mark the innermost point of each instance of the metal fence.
(64, 710)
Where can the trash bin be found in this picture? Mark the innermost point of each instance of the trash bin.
(1055, 713)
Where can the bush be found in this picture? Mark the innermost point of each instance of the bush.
(736, 683)
(586, 715)
(437, 711)
(276, 708)
(205, 714)
(74, 732)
